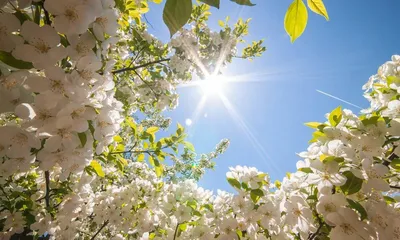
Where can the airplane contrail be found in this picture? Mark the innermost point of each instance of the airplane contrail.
(329, 95)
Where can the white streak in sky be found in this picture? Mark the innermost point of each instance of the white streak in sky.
(329, 95)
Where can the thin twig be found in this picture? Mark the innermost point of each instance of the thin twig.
(46, 15)
(101, 228)
(321, 224)
(140, 66)
(47, 196)
(147, 84)
(176, 231)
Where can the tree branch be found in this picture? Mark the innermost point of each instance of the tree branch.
(321, 224)
(176, 230)
(101, 228)
(140, 66)
(47, 196)
(395, 187)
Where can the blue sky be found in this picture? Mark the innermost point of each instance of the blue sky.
(280, 95)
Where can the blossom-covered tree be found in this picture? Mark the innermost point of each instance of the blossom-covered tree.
(83, 87)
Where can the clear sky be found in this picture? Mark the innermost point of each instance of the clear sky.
(280, 94)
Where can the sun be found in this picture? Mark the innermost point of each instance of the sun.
(212, 85)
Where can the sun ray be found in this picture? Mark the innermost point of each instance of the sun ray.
(267, 160)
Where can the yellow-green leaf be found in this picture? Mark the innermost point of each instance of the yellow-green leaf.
(318, 7)
(312, 124)
(335, 116)
(296, 19)
(152, 130)
(97, 167)
(140, 157)
(118, 138)
(151, 161)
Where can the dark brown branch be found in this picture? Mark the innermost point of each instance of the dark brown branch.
(395, 187)
(176, 231)
(140, 66)
(101, 228)
(47, 196)
(321, 224)
(46, 15)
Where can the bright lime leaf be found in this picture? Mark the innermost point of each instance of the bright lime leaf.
(118, 138)
(392, 79)
(278, 184)
(151, 161)
(140, 157)
(306, 170)
(318, 7)
(176, 14)
(243, 2)
(152, 130)
(213, 3)
(296, 19)
(352, 185)
(335, 116)
(189, 146)
(8, 59)
(358, 207)
(83, 138)
(234, 183)
(313, 124)
(183, 226)
(97, 167)
(159, 168)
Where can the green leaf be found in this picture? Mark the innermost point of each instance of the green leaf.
(176, 14)
(389, 200)
(151, 161)
(256, 194)
(97, 168)
(209, 207)
(159, 168)
(189, 146)
(306, 170)
(335, 116)
(395, 163)
(213, 3)
(118, 138)
(234, 183)
(296, 19)
(183, 226)
(8, 59)
(278, 184)
(369, 121)
(140, 157)
(244, 2)
(192, 204)
(326, 159)
(392, 79)
(152, 130)
(313, 124)
(352, 185)
(318, 7)
(358, 207)
(82, 136)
